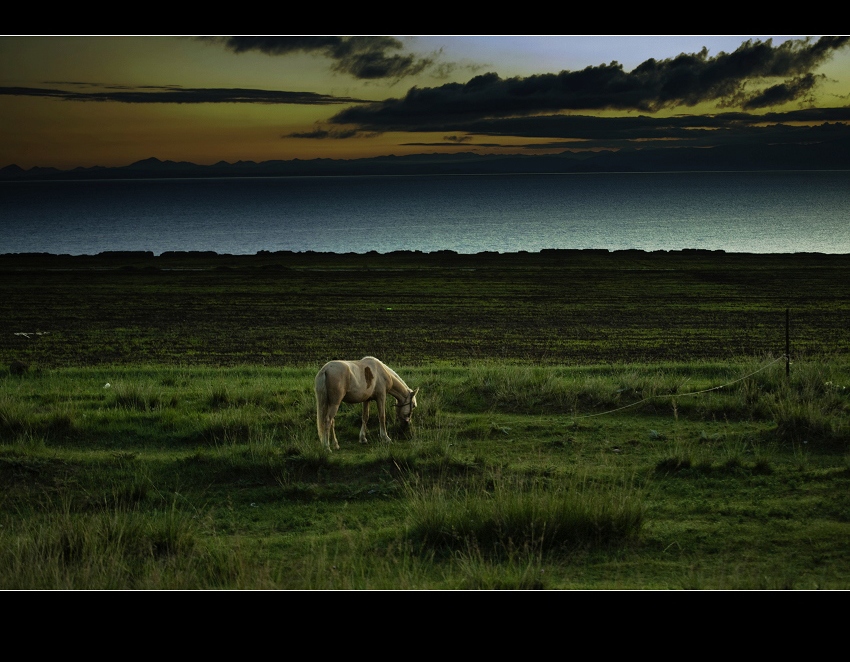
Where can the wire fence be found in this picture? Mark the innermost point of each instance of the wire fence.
(683, 395)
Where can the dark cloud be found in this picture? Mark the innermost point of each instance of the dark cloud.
(639, 126)
(617, 140)
(755, 136)
(454, 143)
(586, 131)
(322, 134)
(790, 90)
(143, 95)
(728, 78)
(363, 57)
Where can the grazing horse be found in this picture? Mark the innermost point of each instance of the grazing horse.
(359, 381)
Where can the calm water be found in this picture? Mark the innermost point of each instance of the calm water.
(765, 212)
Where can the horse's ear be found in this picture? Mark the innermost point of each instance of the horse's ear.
(414, 393)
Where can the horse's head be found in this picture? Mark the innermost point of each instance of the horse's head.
(404, 408)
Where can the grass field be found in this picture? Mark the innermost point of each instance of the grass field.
(587, 421)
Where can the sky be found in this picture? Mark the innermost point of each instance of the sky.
(69, 101)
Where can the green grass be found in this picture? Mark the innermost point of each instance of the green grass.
(631, 476)
(586, 420)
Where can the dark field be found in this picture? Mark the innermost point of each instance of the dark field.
(572, 307)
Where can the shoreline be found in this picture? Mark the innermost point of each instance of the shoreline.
(401, 259)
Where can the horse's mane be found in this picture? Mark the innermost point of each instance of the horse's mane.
(392, 372)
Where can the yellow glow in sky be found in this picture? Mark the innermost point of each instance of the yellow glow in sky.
(69, 131)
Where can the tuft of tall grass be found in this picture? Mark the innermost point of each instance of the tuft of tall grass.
(352, 561)
(805, 421)
(813, 406)
(139, 397)
(113, 549)
(504, 516)
(518, 571)
(24, 423)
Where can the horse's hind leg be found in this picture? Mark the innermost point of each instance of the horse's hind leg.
(325, 432)
(331, 427)
(325, 423)
(324, 412)
(365, 419)
(322, 424)
(333, 434)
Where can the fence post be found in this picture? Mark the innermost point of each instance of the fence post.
(787, 343)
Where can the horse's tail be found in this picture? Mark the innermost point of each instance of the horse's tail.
(321, 403)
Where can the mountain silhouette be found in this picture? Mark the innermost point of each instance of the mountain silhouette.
(834, 155)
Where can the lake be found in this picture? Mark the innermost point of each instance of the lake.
(750, 212)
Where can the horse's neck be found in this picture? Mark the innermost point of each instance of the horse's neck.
(399, 389)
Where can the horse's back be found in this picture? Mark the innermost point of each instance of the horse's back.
(351, 381)
(338, 370)
(372, 363)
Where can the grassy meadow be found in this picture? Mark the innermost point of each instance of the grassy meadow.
(586, 420)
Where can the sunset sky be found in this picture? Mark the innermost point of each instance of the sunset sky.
(68, 101)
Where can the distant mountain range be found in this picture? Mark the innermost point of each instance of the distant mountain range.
(817, 156)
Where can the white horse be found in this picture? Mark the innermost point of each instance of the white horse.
(360, 381)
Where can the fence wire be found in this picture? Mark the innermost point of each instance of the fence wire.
(683, 395)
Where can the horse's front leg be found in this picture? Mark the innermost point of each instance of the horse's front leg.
(382, 419)
(363, 439)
